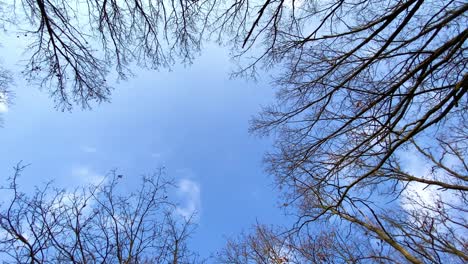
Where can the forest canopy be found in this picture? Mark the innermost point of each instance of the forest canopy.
(360, 86)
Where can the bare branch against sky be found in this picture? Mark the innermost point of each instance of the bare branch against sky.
(369, 122)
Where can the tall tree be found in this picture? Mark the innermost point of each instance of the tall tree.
(367, 91)
(364, 88)
(93, 224)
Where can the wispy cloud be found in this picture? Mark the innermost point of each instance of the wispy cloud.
(3, 107)
(88, 149)
(416, 166)
(86, 175)
(3, 103)
(188, 192)
(156, 155)
(418, 195)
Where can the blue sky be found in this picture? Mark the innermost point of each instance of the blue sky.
(192, 120)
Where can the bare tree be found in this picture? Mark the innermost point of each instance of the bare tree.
(268, 245)
(365, 88)
(73, 44)
(96, 224)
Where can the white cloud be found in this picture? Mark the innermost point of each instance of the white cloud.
(88, 149)
(189, 193)
(422, 200)
(3, 107)
(416, 193)
(3, 103)
(87, 176)
(297, 3)
(415, 165)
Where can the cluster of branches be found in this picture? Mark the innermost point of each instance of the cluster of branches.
(5, 93)
(366, 89)
(268, 245)
(73, 44)
(94, 224)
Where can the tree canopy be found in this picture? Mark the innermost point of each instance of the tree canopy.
(96, 223)
(361, 86)
(72, 45)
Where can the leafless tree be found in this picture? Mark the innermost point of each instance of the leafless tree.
(73, 44)
(267, 245)
(96, 224)
(365, 89)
